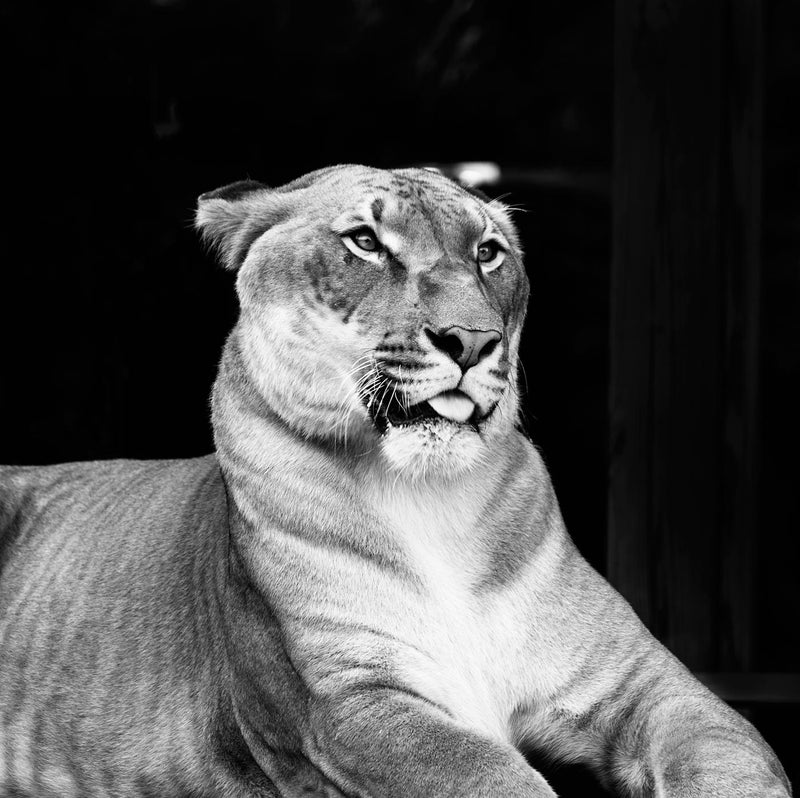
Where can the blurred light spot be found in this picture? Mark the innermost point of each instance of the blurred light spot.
(478, 173)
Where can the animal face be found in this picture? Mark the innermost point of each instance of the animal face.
(378, 308)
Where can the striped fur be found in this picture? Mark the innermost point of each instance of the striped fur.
(341, 601)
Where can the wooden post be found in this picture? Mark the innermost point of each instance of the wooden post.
(684, 321)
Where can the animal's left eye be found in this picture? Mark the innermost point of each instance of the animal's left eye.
(490, 255)
(365, 239)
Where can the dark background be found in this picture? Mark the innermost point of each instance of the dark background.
(118, 114)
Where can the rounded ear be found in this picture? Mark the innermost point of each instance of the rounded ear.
(233, 191)
(475, 191)
(499, 212)
(230, 218)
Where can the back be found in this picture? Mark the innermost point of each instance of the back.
(110, 574)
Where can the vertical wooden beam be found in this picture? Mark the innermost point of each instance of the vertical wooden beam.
(684, 321)
(744, 62)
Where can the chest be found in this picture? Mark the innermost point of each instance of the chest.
(468, 648)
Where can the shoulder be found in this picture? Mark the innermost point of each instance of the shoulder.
(523, 517)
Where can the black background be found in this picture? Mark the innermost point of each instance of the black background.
(118, 114)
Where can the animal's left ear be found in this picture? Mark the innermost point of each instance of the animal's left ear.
(498, 211)
(501, 216)
(232, 217)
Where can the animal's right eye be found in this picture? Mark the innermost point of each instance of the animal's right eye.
(364, 243)
(365, 239)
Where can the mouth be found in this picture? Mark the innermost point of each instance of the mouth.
(451, 406)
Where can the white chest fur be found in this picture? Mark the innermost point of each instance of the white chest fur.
(468, 641)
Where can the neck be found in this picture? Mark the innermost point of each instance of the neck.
(257, 445)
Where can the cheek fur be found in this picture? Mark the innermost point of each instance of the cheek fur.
(355, 289)
(339, 280)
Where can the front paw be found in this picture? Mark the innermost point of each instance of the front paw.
(723, 778)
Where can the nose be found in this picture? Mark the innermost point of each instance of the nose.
(466, 347)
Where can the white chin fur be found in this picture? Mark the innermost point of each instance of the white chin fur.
(433, 447)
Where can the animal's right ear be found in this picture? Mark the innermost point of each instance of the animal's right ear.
(232, 217)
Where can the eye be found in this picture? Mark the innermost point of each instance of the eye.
(365, 244)
(487, 251)
(365, 239)
(490, 255)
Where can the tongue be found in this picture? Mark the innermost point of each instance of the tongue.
(453, 405)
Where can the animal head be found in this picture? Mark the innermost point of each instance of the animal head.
(379, 308)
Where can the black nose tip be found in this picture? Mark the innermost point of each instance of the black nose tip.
(466, 347)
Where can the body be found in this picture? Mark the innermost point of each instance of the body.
(128, 681)
(369, 589)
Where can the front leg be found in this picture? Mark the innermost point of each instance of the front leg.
(385, 743)
(691, 744)
(633, 712)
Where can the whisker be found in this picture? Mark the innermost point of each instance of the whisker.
(524, 377)
(386, 386)
(344, 413)
(403, 394)
(392, 397)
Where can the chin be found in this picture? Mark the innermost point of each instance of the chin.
(432, 449)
